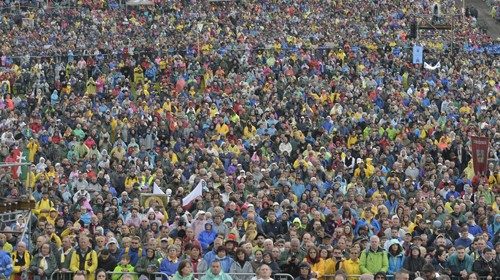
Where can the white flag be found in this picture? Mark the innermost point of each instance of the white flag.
(430, 67)
(157, 190)
(197, 191)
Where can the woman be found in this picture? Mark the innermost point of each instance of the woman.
(473, 276)
(207, 237)
(184, 272)
(316, 263)
(325, 255)
(171, 264)
(396, 256)
(148, 264)
(44, 263)
(241, 266)
(257, 260)
(414, 262)
(268, 260)
(100, 274)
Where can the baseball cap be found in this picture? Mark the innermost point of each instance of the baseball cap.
(112, 240)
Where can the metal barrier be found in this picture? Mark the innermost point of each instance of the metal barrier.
(352, 276)
(248, 276)
(61, 275)
(135, 275)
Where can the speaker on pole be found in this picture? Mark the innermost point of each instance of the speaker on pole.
(413, 30)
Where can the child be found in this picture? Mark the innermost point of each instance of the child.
(123, 268)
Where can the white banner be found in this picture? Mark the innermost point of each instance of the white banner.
(196, 192)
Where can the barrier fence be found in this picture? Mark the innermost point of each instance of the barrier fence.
(68, 275)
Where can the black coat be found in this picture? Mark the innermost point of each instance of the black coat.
(484, 268)
(108, 265)
(413, 265)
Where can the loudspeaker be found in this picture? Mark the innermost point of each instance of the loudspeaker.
(413, 30)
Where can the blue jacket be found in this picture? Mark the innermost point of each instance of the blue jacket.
(466, 242)
(210, 257)
(206, 238)
(168, 267)
(134, 255)
(225, 263)
(395, 261)
(5, 264)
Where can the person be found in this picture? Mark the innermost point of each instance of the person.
(264, 272)
(44, 263)
(460, 263)
(6, 267)
(473, 276)
(170, 264)
(428, 271)
(340, 275)
(100, 274)
(21, 260)
(106, 261)
(396, 256)
(486, 265)
(215, 272)
(414, 262)
(317, 264)
(380, 276)
(184, 272)
(374, 258)
(79, 276)
(351, 265)
(241, 267)
(124, 267)
(84, 259)
(149, 263)
(304, 271)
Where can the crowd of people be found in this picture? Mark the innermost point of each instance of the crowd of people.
(324, 151)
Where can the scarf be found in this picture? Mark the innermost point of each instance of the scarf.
(43, 264)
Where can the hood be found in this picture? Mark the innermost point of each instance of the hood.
(392, 242)
(297, 221)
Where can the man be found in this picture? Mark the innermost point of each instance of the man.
(21, 259)
(460, 263)
(66, 252)
(402, 275)
(135, 250)
(373, 259)
(211, 255)
(271, 227)
(264, 272)
(464, 239)
(114, 250)
(84, 252)
(215, 272)
(106, 261)
(486, 265)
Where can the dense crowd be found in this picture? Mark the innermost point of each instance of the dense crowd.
(324, 151)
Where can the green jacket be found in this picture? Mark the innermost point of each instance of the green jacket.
(177, 276)
(372, 262)
(51, 265)
(221, 276)
(118, 272)
(144, 262)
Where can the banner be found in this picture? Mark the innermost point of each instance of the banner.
(196, 192)
(418, 54)
(480, 147)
